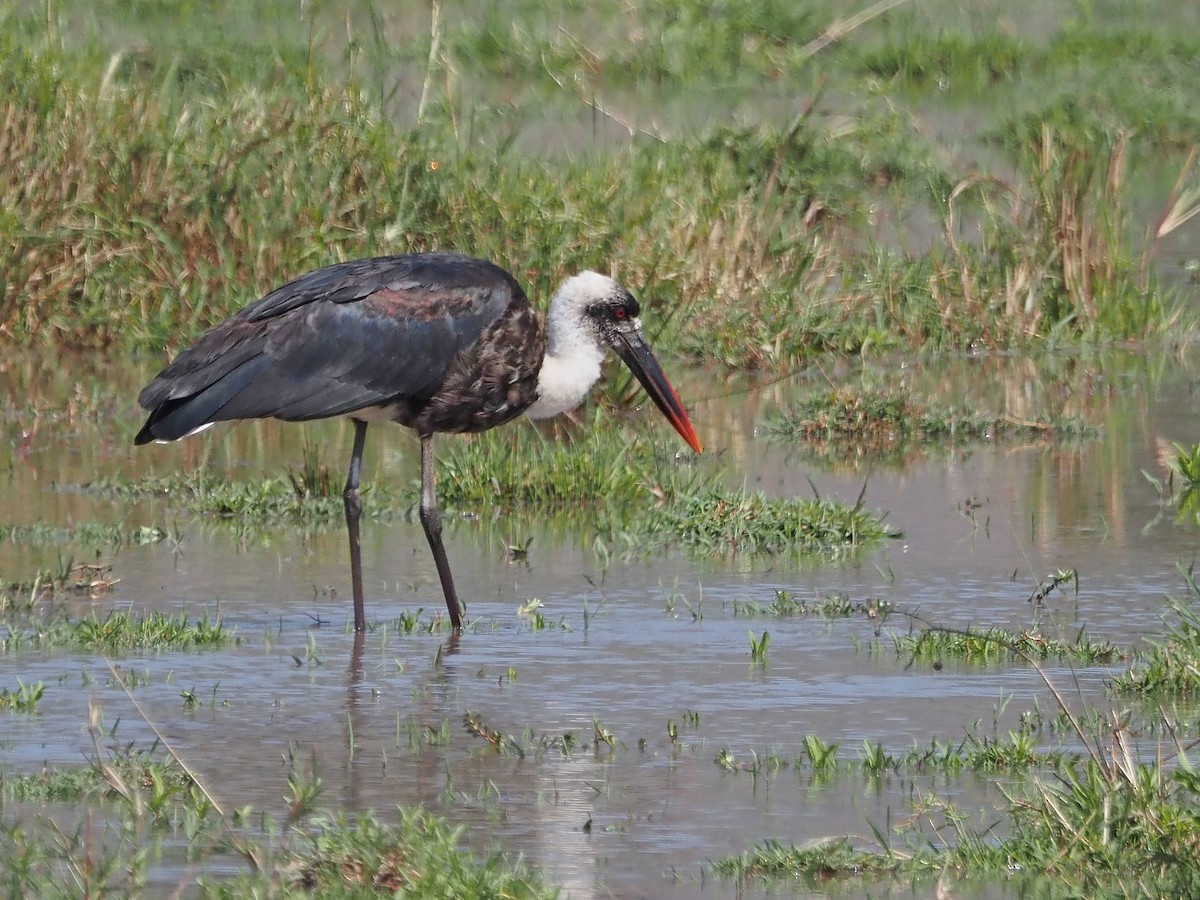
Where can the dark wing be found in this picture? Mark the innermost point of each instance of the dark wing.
(366, 333)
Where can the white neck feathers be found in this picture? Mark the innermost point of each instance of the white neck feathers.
(573, 352)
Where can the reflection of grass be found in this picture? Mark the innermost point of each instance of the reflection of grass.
(84, 533)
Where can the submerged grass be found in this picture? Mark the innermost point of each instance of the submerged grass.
(825, 858)
(784, 604)
(1101, 823)
(100, 780)
(1097, 816)
(204, 493)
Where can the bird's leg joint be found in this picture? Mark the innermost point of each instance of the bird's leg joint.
(431, 520)
(353, 502)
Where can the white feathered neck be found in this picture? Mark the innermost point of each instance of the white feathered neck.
(573, 350)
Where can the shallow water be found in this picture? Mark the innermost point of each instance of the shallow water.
(632, 645)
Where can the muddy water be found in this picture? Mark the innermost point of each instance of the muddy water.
(630, 645)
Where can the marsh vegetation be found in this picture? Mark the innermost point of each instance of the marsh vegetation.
(934, 267)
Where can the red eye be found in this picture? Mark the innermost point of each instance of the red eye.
(619, 312)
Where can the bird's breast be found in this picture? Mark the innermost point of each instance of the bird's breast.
(491, 381)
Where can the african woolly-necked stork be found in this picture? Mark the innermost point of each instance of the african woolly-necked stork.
(434, 341)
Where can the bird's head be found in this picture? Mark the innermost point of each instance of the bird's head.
(593, 310)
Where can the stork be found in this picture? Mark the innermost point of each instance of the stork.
(438, 342)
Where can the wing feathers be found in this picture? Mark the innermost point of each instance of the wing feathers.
(350, 336)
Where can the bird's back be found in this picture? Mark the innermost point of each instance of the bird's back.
(436, 341)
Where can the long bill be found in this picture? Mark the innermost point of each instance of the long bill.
(631, 346)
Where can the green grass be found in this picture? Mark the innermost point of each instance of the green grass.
(1187, 464)
(994, 646)
(613, 469)
(616, 483)
(100, 780)
(759, 647)
(1105, 824)
(115, 632)
(24, 698)
(784, 604)
(726, 523)
(967, 63)
(1170, 668)
(206, 494)
(850, 422)
(829, 857)
(499, 470)
(139, 801)
(70, 579)
(152, 192)
(1099, 814)
(419, 856)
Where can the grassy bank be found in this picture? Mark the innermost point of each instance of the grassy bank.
(167, 167)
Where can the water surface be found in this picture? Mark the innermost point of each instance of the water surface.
(632, 643)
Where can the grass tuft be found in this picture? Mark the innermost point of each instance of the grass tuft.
(24, 699)
(851, 423)
(826, 858)
(116, 632)
(1171, 667)
(71, 579)
(717, 522)
(420, 856)
(994, 646)
(784, 604)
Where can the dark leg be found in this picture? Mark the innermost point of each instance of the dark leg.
(353, 512)
(431, 520)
